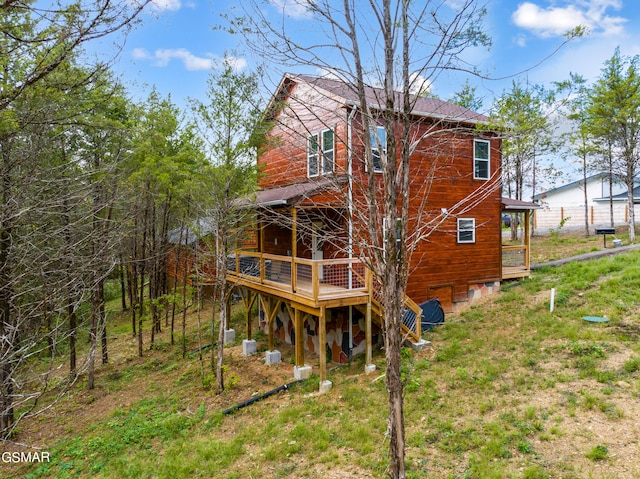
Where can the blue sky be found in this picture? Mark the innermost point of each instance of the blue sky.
(177, 46)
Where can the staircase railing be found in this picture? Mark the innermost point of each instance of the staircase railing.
(411, 316)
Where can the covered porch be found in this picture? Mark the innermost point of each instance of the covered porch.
(516, 258)
(302, 271)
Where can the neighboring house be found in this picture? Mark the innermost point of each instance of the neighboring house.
(566, 204)
(313, 290)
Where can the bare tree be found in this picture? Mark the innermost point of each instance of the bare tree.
(398, 47)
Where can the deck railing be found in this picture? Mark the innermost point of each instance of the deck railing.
(515, 261)
(316, 279)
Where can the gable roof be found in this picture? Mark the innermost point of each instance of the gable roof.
(624, 196)
(580, 182)
(346, 93)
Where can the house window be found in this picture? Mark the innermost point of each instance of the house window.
(312, 155)
(378, 146)
(320, 153)
(481, 159)
(466, 230)
(327, 151)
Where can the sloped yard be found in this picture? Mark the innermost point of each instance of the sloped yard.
(508, 390)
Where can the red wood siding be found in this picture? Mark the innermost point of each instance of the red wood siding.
(441, 177)
(305, 111)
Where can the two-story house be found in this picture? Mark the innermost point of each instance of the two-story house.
(313, 285)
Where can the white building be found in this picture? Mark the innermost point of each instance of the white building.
(565, 204)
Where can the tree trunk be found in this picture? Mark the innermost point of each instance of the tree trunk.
(103, 321)
(586, 195)
(632, 212)
(93, 335)
(73, 325)
(123, 289)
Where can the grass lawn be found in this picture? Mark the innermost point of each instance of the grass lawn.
(507, 390)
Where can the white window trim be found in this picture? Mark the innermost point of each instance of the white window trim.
(317, 155)
(472, 229)
(332, 150)
(487, 160)
(374, 146)
(320, 153)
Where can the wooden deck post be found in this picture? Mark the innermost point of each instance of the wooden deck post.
(248, 299)
(270, 330)
(322, 343)
(297, 324)
(368, 335)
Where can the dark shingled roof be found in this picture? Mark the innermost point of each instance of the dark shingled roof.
(517, 205)
(284, 195)
(424, 106)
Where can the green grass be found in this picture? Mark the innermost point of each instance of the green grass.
(495, 397)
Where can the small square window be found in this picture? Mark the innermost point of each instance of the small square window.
(466, 230)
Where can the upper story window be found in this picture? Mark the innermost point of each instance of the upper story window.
(481, 167)
(321, 153)
(378, 146)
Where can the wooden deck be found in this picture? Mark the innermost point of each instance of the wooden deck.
(314, 286)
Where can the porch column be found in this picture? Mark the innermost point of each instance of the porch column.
(527, 240)
(294, 246)
(298, 324)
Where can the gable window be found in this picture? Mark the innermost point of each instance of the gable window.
(320, 153)
(481, 159)
(378, 146)
(466, 230)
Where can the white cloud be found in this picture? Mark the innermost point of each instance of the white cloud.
(166, 5)
(191, 62)
(298, 9)
(557, 20)
(420, 85)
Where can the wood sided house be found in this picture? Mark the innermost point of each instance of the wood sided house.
(306, 269)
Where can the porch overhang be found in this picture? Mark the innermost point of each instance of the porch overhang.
(299, 193)
(517, 206)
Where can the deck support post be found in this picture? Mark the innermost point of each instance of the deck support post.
(368, 336)
(322, 343)
(248, 299)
